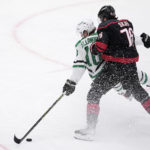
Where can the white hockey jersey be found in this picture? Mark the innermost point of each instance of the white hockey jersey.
(85, 60)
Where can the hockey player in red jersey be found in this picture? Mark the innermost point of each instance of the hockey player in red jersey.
(116, 44)
(83, 61)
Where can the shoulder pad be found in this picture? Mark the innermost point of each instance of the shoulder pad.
(94, 34)
(106, 23)
(76, 45)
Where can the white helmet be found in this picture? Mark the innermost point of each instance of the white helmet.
(85, 25)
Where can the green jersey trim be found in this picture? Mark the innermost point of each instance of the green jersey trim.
(119, 89)
(94, 76)
(145, 79)
(79, 66)
(76, 45)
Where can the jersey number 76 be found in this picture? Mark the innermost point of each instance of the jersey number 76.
(129, 34)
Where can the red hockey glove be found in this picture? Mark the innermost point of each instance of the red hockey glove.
(93, 49)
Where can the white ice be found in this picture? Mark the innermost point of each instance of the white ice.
(37, 39)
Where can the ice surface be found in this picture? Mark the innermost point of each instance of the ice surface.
(37, 39)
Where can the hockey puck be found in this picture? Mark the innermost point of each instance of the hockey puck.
(29, 140)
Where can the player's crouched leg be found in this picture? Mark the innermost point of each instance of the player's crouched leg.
(142, 96)
(88, 133)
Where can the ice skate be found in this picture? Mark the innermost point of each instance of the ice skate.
(87, 134)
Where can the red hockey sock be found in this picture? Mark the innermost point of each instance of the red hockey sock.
(92, 108)
(92, 115)
(146, 105)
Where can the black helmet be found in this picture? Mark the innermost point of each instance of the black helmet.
(107, 11)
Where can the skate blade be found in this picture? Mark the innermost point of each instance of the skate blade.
(84, 138)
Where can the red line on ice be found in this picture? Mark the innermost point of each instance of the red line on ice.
(19, 24)
(3, 147)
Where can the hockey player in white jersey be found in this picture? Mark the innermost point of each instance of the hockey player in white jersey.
(85, 60)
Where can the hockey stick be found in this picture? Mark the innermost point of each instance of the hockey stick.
(18, 141)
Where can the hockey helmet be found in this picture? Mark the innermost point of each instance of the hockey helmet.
(85, 25)
(107, 12)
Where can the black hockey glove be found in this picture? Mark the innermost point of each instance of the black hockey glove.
(69, 87)
(93, 49)
(146, 40)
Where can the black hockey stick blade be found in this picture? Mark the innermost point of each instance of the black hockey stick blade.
(18, 141)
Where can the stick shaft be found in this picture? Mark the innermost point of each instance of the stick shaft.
(37, 122)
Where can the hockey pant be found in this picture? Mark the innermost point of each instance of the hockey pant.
(143, 78)
(111, 75)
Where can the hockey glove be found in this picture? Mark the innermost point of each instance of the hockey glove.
(93, 49)
(146, 40)
(69, 87)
